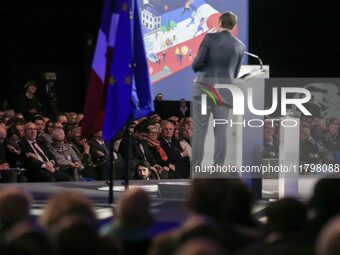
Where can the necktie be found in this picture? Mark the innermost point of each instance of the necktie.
(41, 154)
(142, 150)
(105, 148)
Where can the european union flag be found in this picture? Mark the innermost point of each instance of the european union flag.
(129, 91)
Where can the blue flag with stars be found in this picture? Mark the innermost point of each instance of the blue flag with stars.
(129, 91)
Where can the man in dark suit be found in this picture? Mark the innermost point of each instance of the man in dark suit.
(38, 159)
(218, 61)
(100, 155)
(178, 159)
(139, 149)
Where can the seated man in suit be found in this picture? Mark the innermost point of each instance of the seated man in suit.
(38, 159)
(100, 155)
(178, 159)
(42, 137)
(139, 149)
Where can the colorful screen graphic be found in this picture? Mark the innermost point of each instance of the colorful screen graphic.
(173, 31)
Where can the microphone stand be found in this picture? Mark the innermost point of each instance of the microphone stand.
(255, 56)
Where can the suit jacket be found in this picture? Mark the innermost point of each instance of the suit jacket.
(174, 157)
(3, 158)
(173, 152)
(181, 115)
(218, 60)
(65, 155)
(30, 163)
(94, 148)
(135, 153)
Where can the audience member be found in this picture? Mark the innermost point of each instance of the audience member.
(64, 155)
(13, 150)
(49, 127)
(183, 110)
(178, 160)
(185, 134)
(157, 151)
(138, 148)
(271, 145)
(160, 106)
(328, 242)
(313, 108)
(5, 174)
(132, 222)
(324, 204)
(100, 154)
(144, 171)
(330, 137)
(28, 104)
(285, 230)
(82, 149)
(62, 119)
(200, 246)
(38, 159)
(67, 203)
(42, 137)
(14, 207)
(309, 150)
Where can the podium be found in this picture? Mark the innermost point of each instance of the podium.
(244, 143)
(247, 141)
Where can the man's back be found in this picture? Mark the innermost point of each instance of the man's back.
(220, 56)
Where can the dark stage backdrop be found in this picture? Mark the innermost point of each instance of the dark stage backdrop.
(296, 38)
(43, 36)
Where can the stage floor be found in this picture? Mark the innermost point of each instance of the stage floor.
(166, 207)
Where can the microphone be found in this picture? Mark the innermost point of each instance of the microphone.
(254, 56)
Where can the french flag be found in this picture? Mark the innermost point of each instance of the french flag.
(95, 102)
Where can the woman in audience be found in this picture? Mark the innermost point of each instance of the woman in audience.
(159, 154)
(13, 149)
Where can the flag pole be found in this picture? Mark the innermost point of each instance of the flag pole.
(111, 174)
(127, 153)
(127, 144)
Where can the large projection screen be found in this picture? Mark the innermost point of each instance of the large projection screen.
(173, 31)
